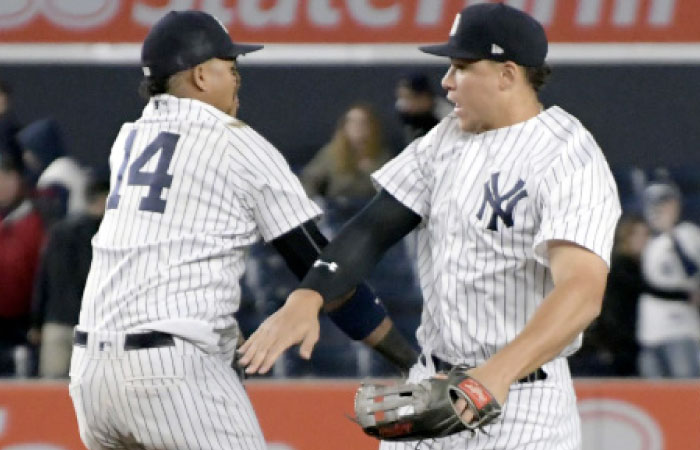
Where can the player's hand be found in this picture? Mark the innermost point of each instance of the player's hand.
(295, 322)
(492, 382)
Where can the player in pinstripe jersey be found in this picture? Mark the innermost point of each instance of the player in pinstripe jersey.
(516, 208)
(191, 188)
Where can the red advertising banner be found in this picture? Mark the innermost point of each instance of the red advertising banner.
(639, 415)
(313, 415)
(344, 21)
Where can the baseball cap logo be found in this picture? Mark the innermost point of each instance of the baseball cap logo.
(496, 49)
(455, 24)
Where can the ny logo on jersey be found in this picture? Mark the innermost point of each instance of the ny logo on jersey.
(494, 198)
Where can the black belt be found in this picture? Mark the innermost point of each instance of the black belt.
(444, 366)
(136, 341)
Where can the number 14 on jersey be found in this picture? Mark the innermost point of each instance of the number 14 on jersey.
(163, 145)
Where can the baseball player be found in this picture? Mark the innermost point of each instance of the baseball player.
(516, 209)
(192, 187)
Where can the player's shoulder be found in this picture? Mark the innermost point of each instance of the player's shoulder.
(445, 132)
(235, 124)
(243, 137)
(560, 123)
(567, 137)
(245, 147)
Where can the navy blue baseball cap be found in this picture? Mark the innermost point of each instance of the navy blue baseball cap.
(497, 32)
(182, 39)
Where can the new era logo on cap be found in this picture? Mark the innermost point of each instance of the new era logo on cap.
(496, 50)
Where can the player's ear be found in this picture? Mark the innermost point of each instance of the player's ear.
(199, 77)
(508, 75)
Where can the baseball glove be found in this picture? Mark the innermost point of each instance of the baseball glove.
(409, 412)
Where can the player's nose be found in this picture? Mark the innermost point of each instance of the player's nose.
(447, 81)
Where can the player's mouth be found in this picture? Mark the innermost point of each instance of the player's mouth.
(457, 108)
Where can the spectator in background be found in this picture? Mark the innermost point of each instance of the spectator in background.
(341, 169)
(21, 236)
(60, 181)
(5, 102)
(58, 289)
(669, 327)
(418, 107)
(618, 320)
(610, 344)
(9, 126)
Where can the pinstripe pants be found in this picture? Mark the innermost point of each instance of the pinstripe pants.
(539, 415)
(176, 397)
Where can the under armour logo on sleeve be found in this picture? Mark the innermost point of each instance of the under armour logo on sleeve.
(331, 266)
(495, 199)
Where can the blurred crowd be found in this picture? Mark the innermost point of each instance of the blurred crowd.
(50, 207)
(650, 322)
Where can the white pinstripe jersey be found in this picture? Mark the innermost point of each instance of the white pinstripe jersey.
(191, 189)
(489, 204)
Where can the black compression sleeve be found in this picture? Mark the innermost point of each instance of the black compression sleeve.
(300, 247)
(360, 315)
(359, 246)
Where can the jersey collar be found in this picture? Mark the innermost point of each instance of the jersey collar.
(169, 105)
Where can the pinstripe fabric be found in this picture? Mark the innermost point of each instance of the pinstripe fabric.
(191, 189)
(166, 398)
(490, 202)
(229, 188)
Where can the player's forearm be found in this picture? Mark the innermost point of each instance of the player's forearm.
(390, 343)
(350, 257)
(565, 312)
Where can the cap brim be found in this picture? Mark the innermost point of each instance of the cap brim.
(449, 51)
(242, 49)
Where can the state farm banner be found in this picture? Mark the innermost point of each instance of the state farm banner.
(344, 21)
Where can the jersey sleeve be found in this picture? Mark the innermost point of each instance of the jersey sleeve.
(405, 177)
(578, 201)
(267, 186)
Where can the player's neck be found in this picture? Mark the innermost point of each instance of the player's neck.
(519, 109)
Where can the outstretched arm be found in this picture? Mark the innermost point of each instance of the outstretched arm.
(330, 281)
(361, 316)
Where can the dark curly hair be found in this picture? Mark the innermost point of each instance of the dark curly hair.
(538, 76)
(150, 86)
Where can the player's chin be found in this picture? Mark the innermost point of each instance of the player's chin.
(469, 125)
(464, 122)
(466, 125)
